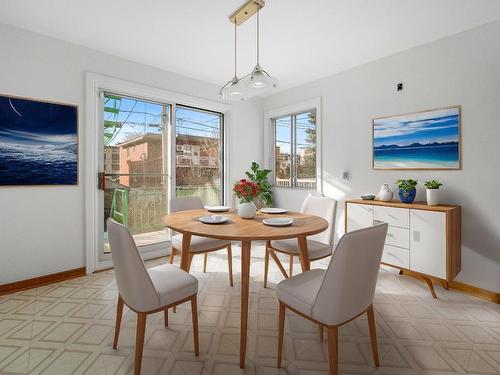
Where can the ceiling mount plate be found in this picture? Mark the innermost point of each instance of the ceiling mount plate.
(246, 11)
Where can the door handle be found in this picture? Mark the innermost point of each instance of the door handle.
(101, 181)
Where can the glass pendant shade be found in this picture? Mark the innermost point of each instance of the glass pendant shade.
(233, 90)
(259, 79)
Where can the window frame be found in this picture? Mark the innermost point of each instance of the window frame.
(270, 139)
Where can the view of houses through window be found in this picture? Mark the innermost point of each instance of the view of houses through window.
(295, 150)
(199, 154)
(137, 156)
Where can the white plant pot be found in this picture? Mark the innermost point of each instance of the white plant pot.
(432, 197)
(247, 210)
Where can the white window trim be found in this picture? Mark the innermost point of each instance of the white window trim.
(314, 103)
(95, 85)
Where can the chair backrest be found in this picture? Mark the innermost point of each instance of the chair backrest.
(185, 203)
(349, 283)
(134, 284)
(327, 209)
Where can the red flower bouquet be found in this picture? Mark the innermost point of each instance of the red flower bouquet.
(246, 190)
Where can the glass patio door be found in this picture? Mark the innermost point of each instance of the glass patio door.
(135, 179)
(199, 154)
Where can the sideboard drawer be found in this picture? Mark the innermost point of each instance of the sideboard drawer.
(399, 237)
(399, 217)
(396, 256)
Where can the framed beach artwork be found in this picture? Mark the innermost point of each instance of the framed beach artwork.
(422, 140)
(38, 142)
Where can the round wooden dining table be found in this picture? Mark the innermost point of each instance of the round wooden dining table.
(246, 231)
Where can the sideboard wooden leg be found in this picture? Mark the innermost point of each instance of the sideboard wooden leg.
(430, 286)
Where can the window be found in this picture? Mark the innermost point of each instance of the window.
(199, 173)
(295, 150)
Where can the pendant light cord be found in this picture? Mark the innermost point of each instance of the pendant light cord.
(235, 47)
(258, 62)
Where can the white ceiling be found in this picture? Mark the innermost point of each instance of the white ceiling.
(301, 40)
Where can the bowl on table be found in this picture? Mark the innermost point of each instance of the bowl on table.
(213, 219)
(217, 208)
(278, 221)
(273, 210)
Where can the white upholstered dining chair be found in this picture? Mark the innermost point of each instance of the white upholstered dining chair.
(319, 245)
(339, 294)
(199, 245)
(147, 291)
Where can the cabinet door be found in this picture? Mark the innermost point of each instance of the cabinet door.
(428, 242)
(359, 216)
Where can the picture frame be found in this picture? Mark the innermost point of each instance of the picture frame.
(423, 140)
(39, 142)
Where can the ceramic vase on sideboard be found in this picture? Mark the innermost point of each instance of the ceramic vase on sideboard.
(407, 196)
(385, 194)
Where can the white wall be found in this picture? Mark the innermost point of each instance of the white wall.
(463, 69)
(42, 228)
(246, 140)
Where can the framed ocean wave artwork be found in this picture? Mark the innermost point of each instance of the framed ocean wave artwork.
(38, 142)
(426, 140)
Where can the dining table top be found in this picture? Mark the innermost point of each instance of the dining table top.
(237, 228)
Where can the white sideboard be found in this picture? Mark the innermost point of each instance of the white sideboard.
(424, 240)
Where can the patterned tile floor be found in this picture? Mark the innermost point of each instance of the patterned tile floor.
(66, 328)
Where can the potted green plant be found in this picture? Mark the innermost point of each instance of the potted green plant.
(407, 190)
(260, 177)
(432, 192)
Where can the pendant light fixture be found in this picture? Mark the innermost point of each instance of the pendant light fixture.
(233, 90)
(259, 78)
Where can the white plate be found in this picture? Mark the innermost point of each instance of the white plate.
(273, 210)
(213, 219)
(217, 208)
(279, 221)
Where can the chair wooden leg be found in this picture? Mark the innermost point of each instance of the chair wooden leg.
(291, 266)
(320, 333)
(205, 259)
(194, 314)
(333, 349)
(119, 314)
(165, 317)
(278, 263)
(281, 332)
(139, 341)
(373, 334)
(266, 266)
(172, 255)
(230, 264)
